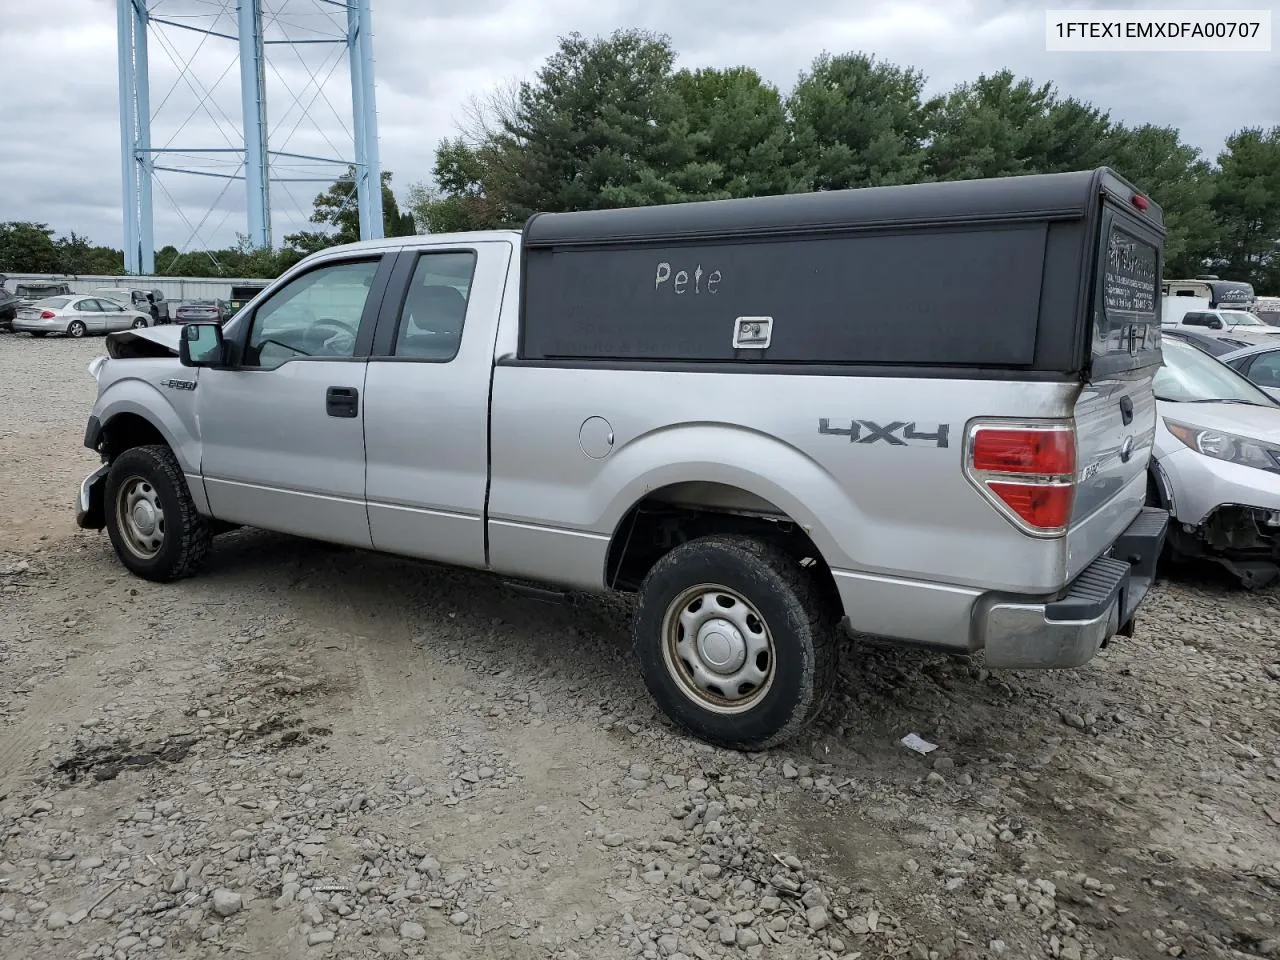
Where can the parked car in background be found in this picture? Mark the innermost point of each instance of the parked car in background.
(1268, 310)
(1209, 341)
(192, 310)
(9, 303)
(1237, 322)
(29, 291)
(1260, 363)
(76, 316)
(1216, 467)
(138, 299)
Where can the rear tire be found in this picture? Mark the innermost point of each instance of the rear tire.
(139, 323)
(153, 523)
(76, 329)
(737, 642)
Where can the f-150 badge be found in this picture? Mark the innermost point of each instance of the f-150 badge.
(899, 433)
(175, 384)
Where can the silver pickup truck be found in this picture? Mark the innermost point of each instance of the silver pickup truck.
(922, 413)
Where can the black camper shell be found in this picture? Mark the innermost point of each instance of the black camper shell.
(1053, 276)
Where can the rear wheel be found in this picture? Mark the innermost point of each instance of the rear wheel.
(76, 328)
(151, 519)
(736, 641)
(140, 322)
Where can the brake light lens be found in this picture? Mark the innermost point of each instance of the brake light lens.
(1024, 451)
(47, 314)
(1027, 471)
(1141, 202)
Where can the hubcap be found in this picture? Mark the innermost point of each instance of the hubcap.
(717, 647)
(141, 518)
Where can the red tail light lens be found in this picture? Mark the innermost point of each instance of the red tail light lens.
(1045, 507)
(47, 314)
(1024, 451)
(1027, 471)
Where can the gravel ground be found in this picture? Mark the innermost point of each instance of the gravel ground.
(318, 752)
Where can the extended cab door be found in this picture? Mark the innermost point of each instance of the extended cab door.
(283, 429)
(427, 401)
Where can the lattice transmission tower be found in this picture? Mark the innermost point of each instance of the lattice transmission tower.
(275, 43)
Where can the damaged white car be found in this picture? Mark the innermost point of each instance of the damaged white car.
(1216, 466)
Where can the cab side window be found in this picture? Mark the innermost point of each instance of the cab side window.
(316, 315)
(435, 307)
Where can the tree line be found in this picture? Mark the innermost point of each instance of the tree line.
(610, 122)
(27, 247)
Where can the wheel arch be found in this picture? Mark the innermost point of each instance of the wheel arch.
(675, 513)
(133, 413)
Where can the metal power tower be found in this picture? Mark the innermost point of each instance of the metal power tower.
(261, 27)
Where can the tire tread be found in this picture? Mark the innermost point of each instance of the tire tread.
(807, 600)
(196, 532)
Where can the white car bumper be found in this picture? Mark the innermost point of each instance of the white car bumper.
(1197, 485)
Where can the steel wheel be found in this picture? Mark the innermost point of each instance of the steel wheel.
(76, 329)
(139, 323)
(140, 518)
(718, 648)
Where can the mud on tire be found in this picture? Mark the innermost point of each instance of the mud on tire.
(707, 612)
(150, 516)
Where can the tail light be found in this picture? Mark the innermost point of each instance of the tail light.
(47, 314)
(1027, 470)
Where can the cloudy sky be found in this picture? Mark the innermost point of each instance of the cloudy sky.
(58, 102)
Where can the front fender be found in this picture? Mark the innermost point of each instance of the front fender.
(752, 461)
(174, 417)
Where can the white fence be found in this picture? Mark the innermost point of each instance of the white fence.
(173, 288)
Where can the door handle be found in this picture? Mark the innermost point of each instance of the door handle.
(342, 401)
(1126, 410)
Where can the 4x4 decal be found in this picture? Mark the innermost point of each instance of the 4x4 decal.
(899, 433)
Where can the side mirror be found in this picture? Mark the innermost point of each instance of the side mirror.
(201, 345)
(1215, 323)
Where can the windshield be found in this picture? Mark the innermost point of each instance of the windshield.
(1189, 375)
(1236, 317)
(23, 290)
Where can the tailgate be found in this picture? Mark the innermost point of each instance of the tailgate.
(1115, 412)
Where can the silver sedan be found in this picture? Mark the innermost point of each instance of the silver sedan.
(76, 316)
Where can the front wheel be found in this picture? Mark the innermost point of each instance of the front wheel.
(153, 523)
(736, 641)
(76, 329)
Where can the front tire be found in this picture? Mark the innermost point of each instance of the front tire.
(153, 523)
(737, 642)
(76, 329)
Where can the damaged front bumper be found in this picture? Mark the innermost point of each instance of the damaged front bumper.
(1225, 512)
(90, 507)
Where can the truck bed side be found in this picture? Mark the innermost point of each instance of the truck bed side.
(885, 512)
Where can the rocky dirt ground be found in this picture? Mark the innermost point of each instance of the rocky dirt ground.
(309, 752)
